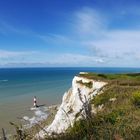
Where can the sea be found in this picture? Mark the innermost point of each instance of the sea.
(18, 86)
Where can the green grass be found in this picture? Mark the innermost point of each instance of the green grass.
(118, 119)
(136, 98)
(87, 84)
(108, 77)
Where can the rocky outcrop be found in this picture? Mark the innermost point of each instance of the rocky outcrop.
(74, 104)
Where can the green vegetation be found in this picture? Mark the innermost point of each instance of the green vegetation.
(87, 84)
(108, 77)
(119, 119)
(136, 98)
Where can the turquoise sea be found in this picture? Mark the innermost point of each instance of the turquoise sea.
(18, 86)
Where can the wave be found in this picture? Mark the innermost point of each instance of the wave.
(5, 80)
(40, 114)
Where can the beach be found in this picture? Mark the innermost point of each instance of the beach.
(40, 117)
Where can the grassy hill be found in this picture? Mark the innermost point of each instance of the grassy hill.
(119, 118)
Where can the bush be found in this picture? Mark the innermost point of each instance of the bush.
(87, 84)
(113, 116)
(103, 98)
(102, 75)
(136, 98)
(100, 99)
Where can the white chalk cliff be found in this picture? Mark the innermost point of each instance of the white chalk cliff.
(73, 104)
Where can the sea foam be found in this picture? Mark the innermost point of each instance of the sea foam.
(40, 114)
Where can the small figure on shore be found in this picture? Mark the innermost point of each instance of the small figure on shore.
(35, 102)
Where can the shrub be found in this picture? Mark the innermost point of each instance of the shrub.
(113, 116)
(87, 84)
(100, 99)
(103, 98)
(136, 98)
(102, 75)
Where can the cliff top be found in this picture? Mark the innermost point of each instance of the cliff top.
(110, 77)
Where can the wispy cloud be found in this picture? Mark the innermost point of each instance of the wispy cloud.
(117, 46)
(6, 28)
(76, 59)
(48, 38)
(8, 58)
(89, 22)
(12, 54)
(55, 38)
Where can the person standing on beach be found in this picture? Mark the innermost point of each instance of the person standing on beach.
(35, 101)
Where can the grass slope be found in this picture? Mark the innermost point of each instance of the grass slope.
(119, 118)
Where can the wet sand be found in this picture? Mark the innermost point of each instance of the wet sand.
(13, 110)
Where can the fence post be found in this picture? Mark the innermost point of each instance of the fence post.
(4, 135)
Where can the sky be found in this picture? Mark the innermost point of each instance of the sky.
(69, 33)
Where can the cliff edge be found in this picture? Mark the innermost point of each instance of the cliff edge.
(74, 104)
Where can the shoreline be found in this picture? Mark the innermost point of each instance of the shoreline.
(18, 107)
(38, 125)
(52, 109)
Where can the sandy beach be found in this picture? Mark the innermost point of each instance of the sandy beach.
(37, 119)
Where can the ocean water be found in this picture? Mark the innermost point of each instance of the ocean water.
(18, 86)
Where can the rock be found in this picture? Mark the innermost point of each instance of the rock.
(112, 99)
(83, 73)
(74, 105)
(100, 107)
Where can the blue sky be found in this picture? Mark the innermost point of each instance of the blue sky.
(69, 33)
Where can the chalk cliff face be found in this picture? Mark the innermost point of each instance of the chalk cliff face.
(74, 104)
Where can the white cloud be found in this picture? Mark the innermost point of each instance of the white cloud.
(89, 22)
(13, 54)
(45, 59)
(55, 39)
(6, 28)
(117, 43)
(11, 58)
(119, 47)
(76, 59)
